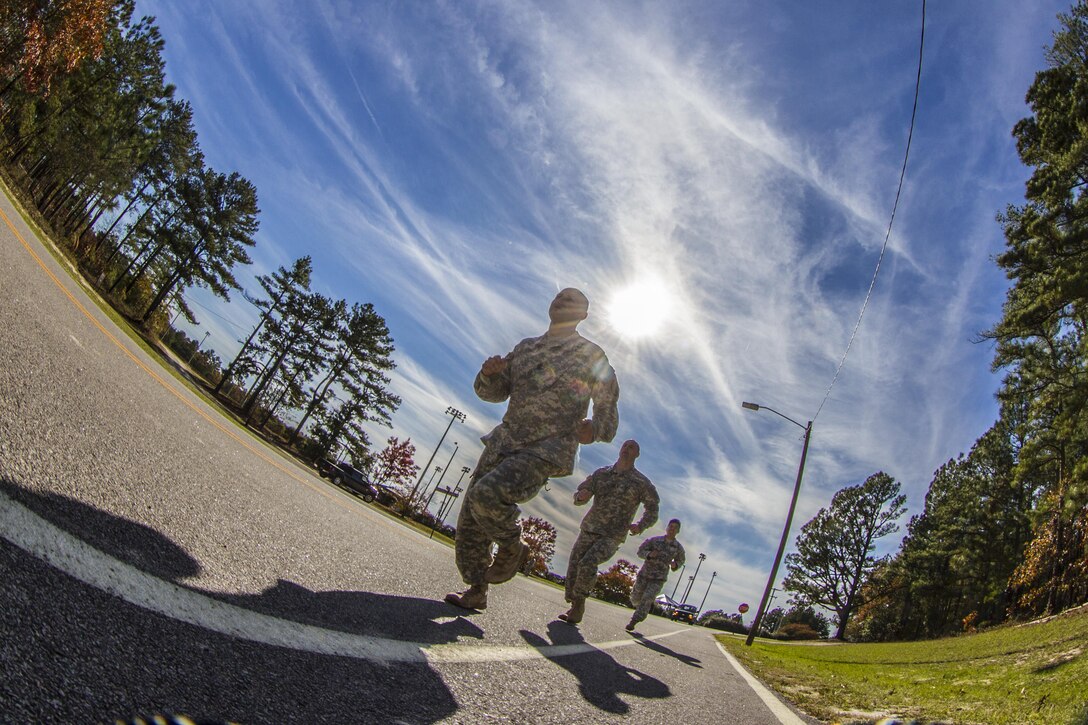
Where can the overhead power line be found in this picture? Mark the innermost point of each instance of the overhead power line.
(221, 317)
(895, 205)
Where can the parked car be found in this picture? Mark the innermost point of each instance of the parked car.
(325, 467)
(350, 477)
(684, 613)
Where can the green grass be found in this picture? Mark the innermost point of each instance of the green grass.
(1026, 673)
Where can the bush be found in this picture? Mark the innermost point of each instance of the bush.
(724, 624)
(797, 631)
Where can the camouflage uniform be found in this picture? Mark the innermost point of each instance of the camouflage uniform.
(550, 382)
(616, 496)
(661, 555)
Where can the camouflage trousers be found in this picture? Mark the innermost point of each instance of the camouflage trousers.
(489, 514)
(590, 550)
(643, 595)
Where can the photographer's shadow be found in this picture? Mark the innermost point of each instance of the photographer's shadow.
(601, 679)
(176, 666)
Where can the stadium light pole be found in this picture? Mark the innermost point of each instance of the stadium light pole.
(448, 503)
(455, 415)
(789, 519)
(691, 582)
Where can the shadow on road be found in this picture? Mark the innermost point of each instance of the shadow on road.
(408, 619)
(133, 659)
(662, 649)
(601, 679)
(133, 543)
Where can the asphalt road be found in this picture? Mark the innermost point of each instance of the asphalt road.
(156, 559)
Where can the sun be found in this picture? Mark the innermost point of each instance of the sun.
(641, 308)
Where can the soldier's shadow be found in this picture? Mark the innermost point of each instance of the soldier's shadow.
(601, 679)
(409, 619)
(650, 644)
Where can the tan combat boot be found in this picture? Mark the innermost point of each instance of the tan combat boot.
(577, 609)
(508, 560)
(475, 597)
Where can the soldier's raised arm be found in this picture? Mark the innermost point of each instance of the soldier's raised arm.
(650, 503)
(679, 559)
(605, 393)
(644, 548)
(493, 381)
(586, 489)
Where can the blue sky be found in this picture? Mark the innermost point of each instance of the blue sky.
(733, 164)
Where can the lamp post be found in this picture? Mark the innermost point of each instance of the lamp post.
(789, 518)
(691, 581)
(455, 415)
(714, 574)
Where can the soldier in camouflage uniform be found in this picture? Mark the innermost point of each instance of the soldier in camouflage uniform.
(550, 381)
(661, 554)
(617, 491)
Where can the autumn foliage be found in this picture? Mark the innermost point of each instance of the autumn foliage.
(395, 465)
(44, 39)
(614, 585)
(539, 535)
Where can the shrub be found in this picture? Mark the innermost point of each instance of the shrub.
(797, 630)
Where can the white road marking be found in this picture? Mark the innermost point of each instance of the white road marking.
(76, 341)
(785, 715)
(25, 529)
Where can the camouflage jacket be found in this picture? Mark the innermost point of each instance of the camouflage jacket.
(616, 496)
(550, 382)
(660, 555)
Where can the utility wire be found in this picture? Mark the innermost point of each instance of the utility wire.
(902, 174)
(221, 317)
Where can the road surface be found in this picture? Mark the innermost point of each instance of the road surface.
(155, 558)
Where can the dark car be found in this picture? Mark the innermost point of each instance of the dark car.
(350, 477)
(325, 467)
(684, 613)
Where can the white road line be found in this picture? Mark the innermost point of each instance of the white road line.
(25, 529)
(785, 715)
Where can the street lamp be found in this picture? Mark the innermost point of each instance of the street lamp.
(197, 348)
(714, 574)
(789, 518)
(679, 579)
(456, 415)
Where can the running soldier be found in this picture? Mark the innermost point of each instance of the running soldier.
(617, 491)
(550, 381)
(661, 554)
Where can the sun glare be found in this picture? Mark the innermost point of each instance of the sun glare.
(641, 308)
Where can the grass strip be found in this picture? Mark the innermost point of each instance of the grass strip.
(1022, 673)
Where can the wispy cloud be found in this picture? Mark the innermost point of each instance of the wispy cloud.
(457, 164)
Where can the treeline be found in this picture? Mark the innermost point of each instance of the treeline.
(1004, 531)
(318, 357)
(94, 139)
